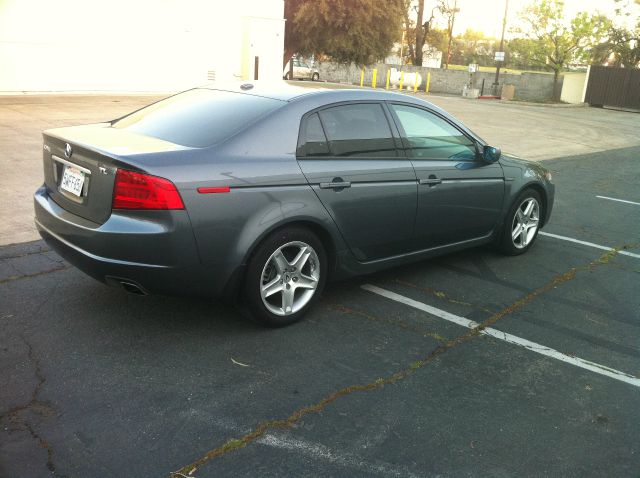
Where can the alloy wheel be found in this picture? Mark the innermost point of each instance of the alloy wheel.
(289, 278)
(525, 223)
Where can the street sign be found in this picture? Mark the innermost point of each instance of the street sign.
(499, 56)
(473, 67)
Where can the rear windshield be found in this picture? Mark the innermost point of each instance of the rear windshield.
(198, 118)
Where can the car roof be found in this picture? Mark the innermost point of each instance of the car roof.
(313, 95)
(285, 91)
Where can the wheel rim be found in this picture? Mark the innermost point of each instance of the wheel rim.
(525, 223)
(289, 278)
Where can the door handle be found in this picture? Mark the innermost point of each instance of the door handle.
(336, 183)
(432, 181)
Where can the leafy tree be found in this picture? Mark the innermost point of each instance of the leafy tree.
(472, 47)
(520, 53)
(622, 48)
(558, 42)
(359, 31)
(438, 39)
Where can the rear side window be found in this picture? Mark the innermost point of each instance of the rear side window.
(314, 141)
(198, 118)
(358, 130)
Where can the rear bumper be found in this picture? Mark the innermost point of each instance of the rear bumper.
(155, 250)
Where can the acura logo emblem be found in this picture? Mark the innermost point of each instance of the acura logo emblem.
(68, 150)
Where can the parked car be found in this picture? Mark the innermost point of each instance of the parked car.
(263, 193)
(301, 71)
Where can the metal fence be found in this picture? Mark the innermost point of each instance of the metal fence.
(617, 87)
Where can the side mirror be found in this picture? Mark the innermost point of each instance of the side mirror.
(490, 154)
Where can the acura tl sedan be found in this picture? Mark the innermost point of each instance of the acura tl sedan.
(262, 193)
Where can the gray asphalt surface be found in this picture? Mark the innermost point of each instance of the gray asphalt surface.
(95, 382)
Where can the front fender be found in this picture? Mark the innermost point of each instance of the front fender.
(521, 174)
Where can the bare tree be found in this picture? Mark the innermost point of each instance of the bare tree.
(449, 9)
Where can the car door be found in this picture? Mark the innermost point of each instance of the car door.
(305, 70)
(459, 195)
(350, 157)
(298, 71)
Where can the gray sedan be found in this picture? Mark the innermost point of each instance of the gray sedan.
(262, 193)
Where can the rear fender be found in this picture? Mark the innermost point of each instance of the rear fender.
(280, 215)
(229, 226)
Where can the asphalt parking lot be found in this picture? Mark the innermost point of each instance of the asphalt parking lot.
(386, 377)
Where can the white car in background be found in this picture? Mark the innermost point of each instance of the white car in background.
(301, 71)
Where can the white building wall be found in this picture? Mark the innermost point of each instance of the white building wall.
(573, 85)
(136, 45)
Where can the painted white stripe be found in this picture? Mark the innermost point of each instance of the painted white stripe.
(590, 244)
(512, 339)
(619, 200)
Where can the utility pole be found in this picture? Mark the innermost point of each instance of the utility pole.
(499, 62)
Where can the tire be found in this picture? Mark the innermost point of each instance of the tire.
(277, 290)
(521, 226)
(315, 77)
(287, 76)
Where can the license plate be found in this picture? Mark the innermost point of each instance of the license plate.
(72, 180)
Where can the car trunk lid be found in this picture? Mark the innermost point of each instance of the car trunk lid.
(80, 164)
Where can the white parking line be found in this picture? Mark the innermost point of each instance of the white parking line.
(619, 200)
(512, 339)
(590, 244)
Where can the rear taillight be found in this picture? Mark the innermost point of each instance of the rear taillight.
(142, 191)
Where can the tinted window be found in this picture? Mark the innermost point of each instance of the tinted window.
(430, 137)
(358, 130)
(199, 117)
(313, 140)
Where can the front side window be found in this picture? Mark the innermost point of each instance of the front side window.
(358, 130)
(428, 136)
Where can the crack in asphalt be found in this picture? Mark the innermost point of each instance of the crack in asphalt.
(263, 427)
(35, 274)
(442, 296)
(15, 415)
(36, 406)
(395, 322)
(24, 254)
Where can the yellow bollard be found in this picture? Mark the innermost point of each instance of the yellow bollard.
(362, 78)
(388, 78)
(426, 89)
(401, 80)
(374, 78)
(415, 83)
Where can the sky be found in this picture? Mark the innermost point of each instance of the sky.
(486, 15)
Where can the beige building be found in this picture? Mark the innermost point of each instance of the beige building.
(137, 45)
(574, 86)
